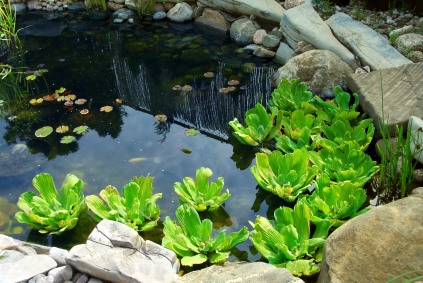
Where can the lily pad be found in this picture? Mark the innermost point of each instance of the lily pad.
(70, 97)
(31, 77)
(36, 101)
(84, 111)
(60, 90)
(80, 101)
(209, 74)
(186, 88)
(191, 132)
(80, 130)
(62, 129)
(106, 108)
(118, 100)
(186, 150)
(43, 132)
(67, 139)
(160, 118)
(61, 98)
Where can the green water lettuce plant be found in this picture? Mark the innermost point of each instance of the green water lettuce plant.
(341, 131)
(202, 194)
(52, 212)
(286, 242)
(345, 163)
(292, 95)
(192, 241)
(261, 126)
(137, 209)
(286, 176)
(335, 203)
(339, 107)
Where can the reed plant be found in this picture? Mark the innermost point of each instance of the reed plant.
(145, 7)
(400, 278)
(397, 164)
(8, 32)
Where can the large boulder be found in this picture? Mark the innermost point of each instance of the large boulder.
(243, 30)
(376, 246)
(372, 48)
(115, 252)
(213, 19)
(182, 12)
(322, 70)
(241, 272)
(284, 53)
(303, 23)
(265, 9)
(402, 94)
(409, 42)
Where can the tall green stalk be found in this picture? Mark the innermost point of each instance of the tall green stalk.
(8, 33)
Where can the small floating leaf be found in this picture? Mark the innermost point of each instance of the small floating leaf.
(60, 90)
(62, 129)
(70, 97)
(233, 82)
(84, 111)
(191, 132)
(68, 103)
(160, 118)
(209, 74)
(43, 132)
(61, 98)
(106, 108)
(177, 87)
(49, 97)
(186, 150)
(67, 139)
(35, 101)
(186, 88)
(31, 77)
(80, 101)
(80, 130)
(118, 100)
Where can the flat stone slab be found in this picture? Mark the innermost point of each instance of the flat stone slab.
(402, 94)
(371, 47)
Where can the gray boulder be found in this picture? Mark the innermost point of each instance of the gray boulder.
(213, 19)
(322, 70)
(264, 53)
(303, 23)
(159, 16)
(402, 94)
(409, 42)
(268, 10)
(376, 246)
(243, 30)
(284, 53)
(371, 47)
(240, 272)
(182, 12)
(289, 4)
(123, 14)
(258, 36)
(114, 252)
(25, 268)
(270, 41)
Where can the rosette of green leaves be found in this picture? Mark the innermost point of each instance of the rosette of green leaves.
(287, 243)
(300, 131)
(345, 163)
(137, 209)
(292, 95)
(261, 126)
(286, 176)
(335, 203)
(192, 239)
(202, 194)
(52, 212)
(338, 107)
(341, 131)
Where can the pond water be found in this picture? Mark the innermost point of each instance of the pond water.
(140, 67)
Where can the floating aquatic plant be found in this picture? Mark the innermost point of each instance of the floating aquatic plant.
(84, 111)
(106, 108)
(209, 74)
(35, 101)
(233, 82)
(70, 97)
(80, 101)
(60, 90)
(62, 129)
(223, 90)
(118, 100)
(160, 118)
(80, 129)
(177, 87)
(67, 139)
(43, 132)
(191, 132)
(186, 88)
(68, 103)
(186, 150)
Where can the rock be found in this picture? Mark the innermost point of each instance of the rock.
(264, 53)
(243, 30)
(371, 48)
(61, 274)
(19, 8)
(370, 247)
(293, 3)
(197, 11)
(258, 36)
(182, 12)
(268, 10)
(302, 47)
(402, 94)
(26, 250)
(59, 255)
(159, 7)
(270, 41)
(284, 53)
(7, 243)
(34, 5)
(159, 16)
(418, 192)
(131, 20)
(169, 5)
(416, 56)
(77, 7)
(390, 21)
(409, 42)
(123, 14)
(213, 19)
(80, 278)
(401, 31)
(240, 272)
(322, 70)
(40, 278)
(131, 5)
(118, 21)
(115, 7)
(11, 256)
(25, 268)
(391, 143)
(418, 176)
(114, 252)
(416, 145)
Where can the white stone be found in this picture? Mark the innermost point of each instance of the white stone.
(416, 125)
(401, 31)
(284, 53)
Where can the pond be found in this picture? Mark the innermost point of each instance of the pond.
(139, 66)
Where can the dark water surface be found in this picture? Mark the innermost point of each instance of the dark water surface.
(140, 67)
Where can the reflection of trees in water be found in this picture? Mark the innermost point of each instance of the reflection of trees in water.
(204, 108)
(161, 129)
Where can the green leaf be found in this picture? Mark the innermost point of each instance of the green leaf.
(43, 132)
(219, 258)
(191, 260)
(302, 267)
(80, 130)
(191, 132)
(67, 139)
